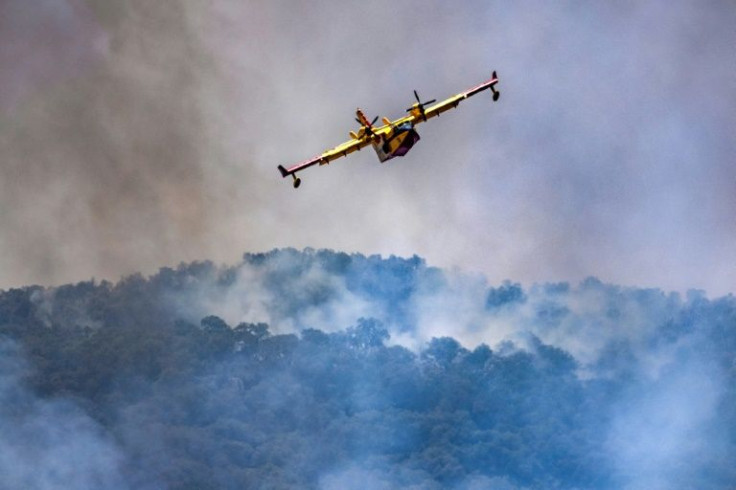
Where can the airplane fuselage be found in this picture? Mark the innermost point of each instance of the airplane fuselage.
(397, 143)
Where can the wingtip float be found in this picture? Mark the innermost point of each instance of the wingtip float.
(393, 138)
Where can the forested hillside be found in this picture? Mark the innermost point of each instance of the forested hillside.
(319, 369)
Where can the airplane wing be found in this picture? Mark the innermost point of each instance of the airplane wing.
(452, 102)
(417, 114)
(339, 151)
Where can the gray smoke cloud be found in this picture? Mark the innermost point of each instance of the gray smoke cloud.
(134, 135)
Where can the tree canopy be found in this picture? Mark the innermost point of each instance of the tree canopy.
(595, 386)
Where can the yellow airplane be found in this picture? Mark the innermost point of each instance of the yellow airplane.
(394, 138)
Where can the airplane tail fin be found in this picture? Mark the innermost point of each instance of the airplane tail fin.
(283, 171)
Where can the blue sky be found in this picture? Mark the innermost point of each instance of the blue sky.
(138, 135)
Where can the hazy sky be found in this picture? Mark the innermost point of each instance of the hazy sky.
(137, 134)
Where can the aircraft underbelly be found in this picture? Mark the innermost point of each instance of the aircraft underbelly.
(397, 145)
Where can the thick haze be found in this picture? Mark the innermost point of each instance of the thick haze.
(137, 134)
(175, 381)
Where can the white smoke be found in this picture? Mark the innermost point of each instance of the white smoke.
(50, 444)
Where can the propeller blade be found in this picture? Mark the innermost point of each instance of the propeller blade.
(420, 105)
(371, 123)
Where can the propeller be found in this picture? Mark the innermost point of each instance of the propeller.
(372, 122)
(420, 105)
(366, 129)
